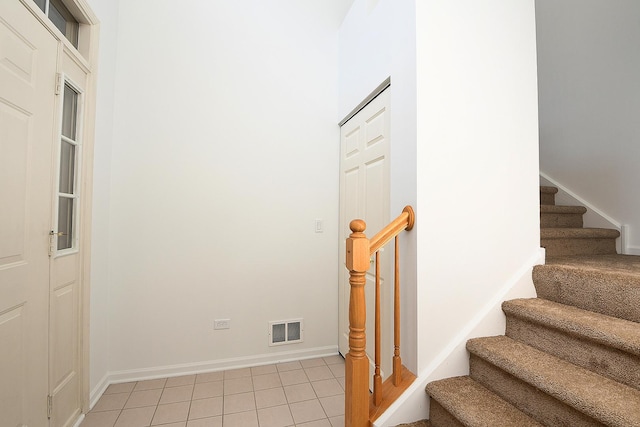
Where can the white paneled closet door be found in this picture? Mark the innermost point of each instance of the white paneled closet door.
(364, 194)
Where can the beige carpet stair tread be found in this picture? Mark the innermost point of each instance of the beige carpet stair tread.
(557, 209)
(614, 264)
(605, 400)
(578, 233)
(475, 406)
(607, 284)
(548, 195)
(554, 216)
(548, 190)
(611, 331)
(606, 345)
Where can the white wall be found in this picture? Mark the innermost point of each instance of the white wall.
(477, 194)
(588, 67)
(225, 150)
(107, 12)
(477, 157)
(377, 40)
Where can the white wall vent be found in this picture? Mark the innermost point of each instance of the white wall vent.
(286, 332)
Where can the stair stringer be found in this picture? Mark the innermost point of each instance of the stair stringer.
(594, 217)
(453, 360)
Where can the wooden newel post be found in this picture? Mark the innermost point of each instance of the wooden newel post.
(357, 363)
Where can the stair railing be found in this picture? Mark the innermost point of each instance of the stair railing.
(361, 407)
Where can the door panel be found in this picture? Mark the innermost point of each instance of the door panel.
(63, 327)
(13, 167)
(13, 393)
(364, 194)
(28, 61)
(64, 354)
(64, 371)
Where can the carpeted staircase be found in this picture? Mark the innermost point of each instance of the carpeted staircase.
(570, 357)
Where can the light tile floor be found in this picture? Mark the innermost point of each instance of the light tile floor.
(306, 393)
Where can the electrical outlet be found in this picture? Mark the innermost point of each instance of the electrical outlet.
(222, 324)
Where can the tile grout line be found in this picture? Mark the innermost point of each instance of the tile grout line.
(193, 390)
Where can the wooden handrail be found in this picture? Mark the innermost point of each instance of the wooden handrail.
(360, 408)
(404, 221)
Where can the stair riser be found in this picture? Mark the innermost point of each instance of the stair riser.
(466, 401)
(547, 199)
(423, 423)
(440, 417)
(611, 296)
(564, 247)
(529, 399)
(555, 220)
(610, 362)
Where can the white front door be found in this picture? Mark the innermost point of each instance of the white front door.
(43, 80)
(364, 194)
(28, 61)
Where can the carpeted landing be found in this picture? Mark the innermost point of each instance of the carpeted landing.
(570, 357)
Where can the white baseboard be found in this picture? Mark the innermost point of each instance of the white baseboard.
(116, 377)
(453, 360)
(632, 250)
(98, 391)
(626, 247)
(79, 420)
